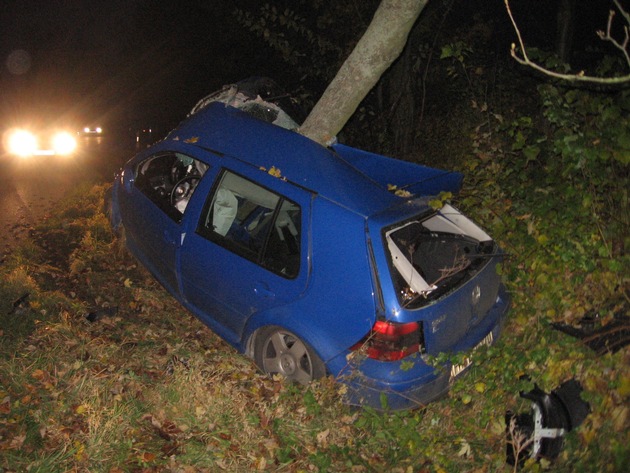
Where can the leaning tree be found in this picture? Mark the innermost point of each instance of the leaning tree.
(377, 49)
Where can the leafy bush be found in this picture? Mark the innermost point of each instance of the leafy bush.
(562, 182)
(552, 187)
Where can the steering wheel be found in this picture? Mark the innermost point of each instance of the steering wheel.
(184, 188)
(178, 171)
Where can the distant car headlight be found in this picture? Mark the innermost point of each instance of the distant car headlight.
(64, 143)
(92, 130)
(22, 143)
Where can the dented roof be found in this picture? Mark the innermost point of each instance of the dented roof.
(226, 130)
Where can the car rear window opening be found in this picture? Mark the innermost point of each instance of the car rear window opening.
(433, 256)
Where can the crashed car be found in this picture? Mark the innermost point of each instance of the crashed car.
(311, 260)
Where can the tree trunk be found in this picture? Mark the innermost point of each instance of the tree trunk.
(381, 44)
(402, 83)
(565, 29)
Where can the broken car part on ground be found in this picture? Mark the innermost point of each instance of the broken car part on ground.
(540, 433)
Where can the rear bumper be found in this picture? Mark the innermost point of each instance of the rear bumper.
(411, 383)
(364, 391)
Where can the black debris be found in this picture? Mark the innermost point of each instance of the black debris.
(20, 303)
(100, 313)
(601, 338)
(540, 433)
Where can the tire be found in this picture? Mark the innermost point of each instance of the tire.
(279, 351)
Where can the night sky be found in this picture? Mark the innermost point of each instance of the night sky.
(131, 61)
(139, 62)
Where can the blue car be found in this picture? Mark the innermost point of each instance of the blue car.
(313, 261)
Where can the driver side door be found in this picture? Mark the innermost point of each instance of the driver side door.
(164, 183)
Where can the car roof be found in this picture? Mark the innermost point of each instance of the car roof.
(350, 178)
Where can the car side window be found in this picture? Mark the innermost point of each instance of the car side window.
(169, 180)
(255, 223)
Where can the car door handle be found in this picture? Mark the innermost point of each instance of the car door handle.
(262, 290)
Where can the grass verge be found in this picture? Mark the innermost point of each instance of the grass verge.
(102, 371)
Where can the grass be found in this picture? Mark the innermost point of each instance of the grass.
(146, 387)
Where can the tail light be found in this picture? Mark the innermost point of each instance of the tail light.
(388, 341)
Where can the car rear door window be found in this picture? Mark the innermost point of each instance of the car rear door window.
(255, 223)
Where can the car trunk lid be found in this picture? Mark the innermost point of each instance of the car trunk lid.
(443, 268)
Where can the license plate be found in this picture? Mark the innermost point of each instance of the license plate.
(456, 370)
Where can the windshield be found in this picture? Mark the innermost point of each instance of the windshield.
(431, 256)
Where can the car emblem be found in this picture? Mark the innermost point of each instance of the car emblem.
(476, 295)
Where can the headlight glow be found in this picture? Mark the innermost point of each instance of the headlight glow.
(22, 142)
(64, 143)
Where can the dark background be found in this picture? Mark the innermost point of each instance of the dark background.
(127, 62)
(136, 63)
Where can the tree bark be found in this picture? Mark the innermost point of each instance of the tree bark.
(565, 29)
(381, 44)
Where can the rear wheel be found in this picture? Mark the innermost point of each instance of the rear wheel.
(279, 351)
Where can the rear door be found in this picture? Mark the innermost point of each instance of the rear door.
(249, 250)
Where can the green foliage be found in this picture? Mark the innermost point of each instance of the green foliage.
(551, 186)
(16, 318)
(458, 52)
(438, 202)
(549, 60)
(563, 188)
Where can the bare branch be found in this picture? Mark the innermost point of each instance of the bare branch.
(518, 441)
(460, 264)
(625, 14)
(623, 47)
(580, 76)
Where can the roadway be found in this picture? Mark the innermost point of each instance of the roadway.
(30, 187)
